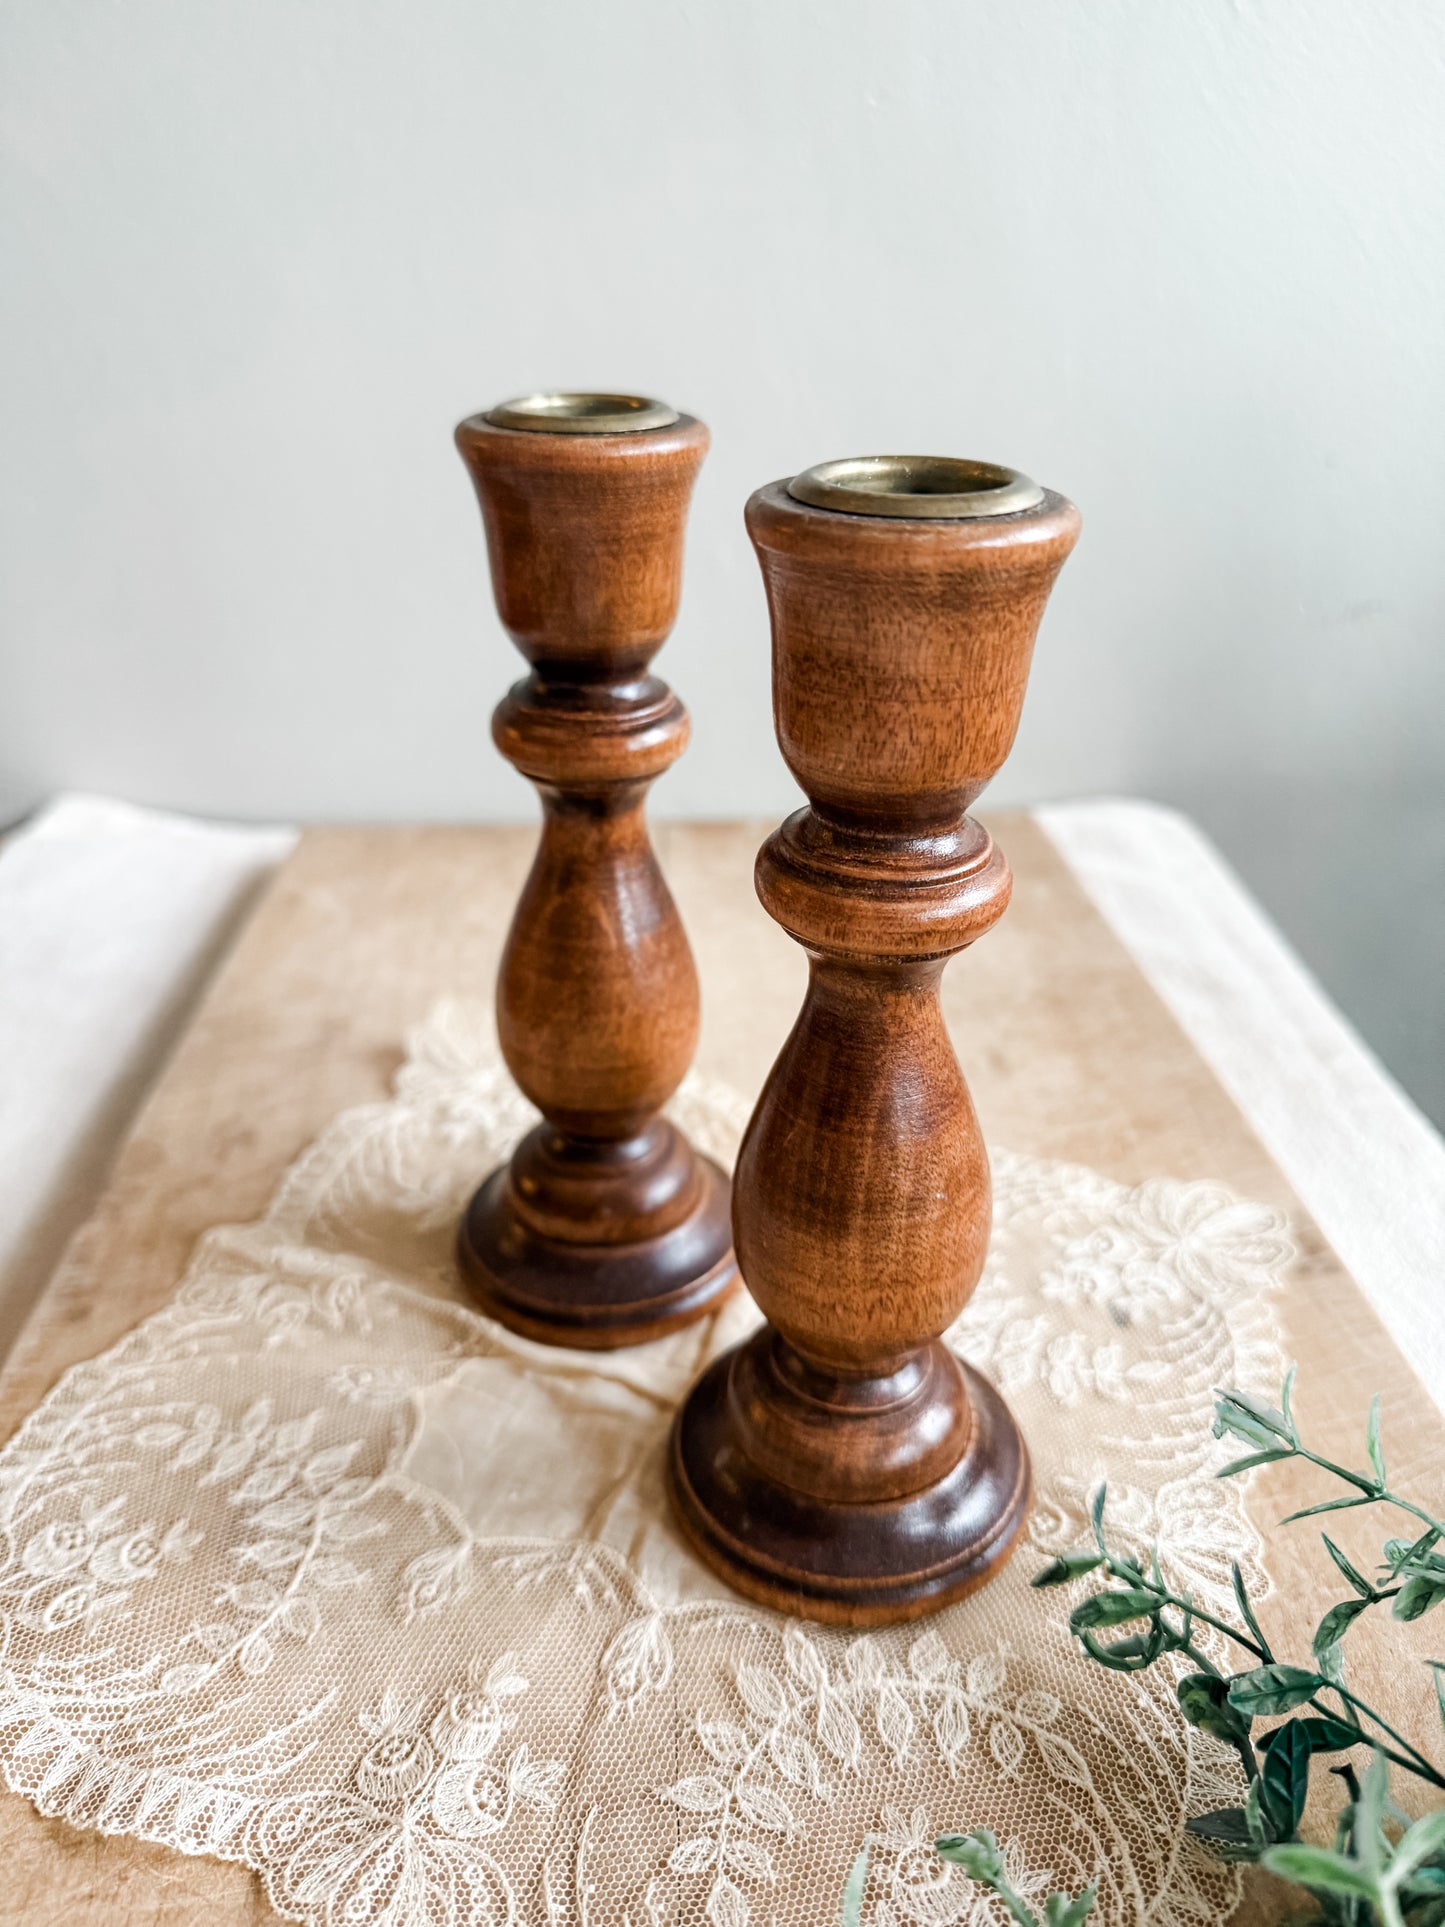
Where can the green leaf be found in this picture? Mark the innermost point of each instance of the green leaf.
(1406, 1555)
(1370, 1812)
(1345, 1818)
(1204, 1702)
(1322, 1869)
(1226, 1833)
(1336, 1623)
(1372, 1440)
(1273, 1689)
(1258, 1409)
(977, 1853)
(1332, 1665)
(1060, 1910)
(1134, 1646)
(1243, 1417)
(1286, 1777)
(1131, 1655)
(1324, 1733)
(1237, 1466)
(1423, 1841)
(1112, 1609)
(1096, 1515)
(853, 1888)
(1360, 1584)
(1330, 1505)
(1241, 1599)
(1255, 1817)
(1068, 1565)
(1229, 1423)
(1437, 1667)
(1418, 1597)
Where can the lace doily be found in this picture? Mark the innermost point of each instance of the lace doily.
(322, 1571)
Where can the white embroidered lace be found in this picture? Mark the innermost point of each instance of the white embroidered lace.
(321, 1571)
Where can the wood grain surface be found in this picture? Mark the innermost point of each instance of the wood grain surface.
(605, 1227)
(1070, 1055)
(843, 1463)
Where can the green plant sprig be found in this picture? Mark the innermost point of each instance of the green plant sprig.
(979, 1855)
(1402, 1881)
(1226, 1708)
(981, 1858)
(1267, 1689)
(1274, 1434)
(1380, 1871)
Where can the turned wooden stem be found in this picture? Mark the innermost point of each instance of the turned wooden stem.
(606, 1228)
(843, 1463)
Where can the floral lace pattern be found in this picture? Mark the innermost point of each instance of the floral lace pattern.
(322, 1571)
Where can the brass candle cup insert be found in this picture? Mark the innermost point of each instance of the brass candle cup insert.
(579, 414)
(918, 487)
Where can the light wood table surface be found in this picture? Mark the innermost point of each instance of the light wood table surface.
(1069, 1053)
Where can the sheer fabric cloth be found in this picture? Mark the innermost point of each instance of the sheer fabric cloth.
(322, 1571)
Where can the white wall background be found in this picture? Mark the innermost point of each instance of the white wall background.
(1184, 261)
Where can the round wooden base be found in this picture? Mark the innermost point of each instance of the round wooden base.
(843, 1561)
(570, 1290)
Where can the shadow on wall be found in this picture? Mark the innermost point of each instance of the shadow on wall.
(1354, 875)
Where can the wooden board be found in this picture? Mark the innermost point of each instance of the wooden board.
(1069, 1053)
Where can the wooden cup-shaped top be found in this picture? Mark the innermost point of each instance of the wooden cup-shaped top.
(901, 642)
(585, 534)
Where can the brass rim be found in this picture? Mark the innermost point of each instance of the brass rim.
(582, 414)
(932, 488)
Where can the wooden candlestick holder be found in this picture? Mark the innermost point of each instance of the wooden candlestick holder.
(842, 1463)
(606, 1228)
